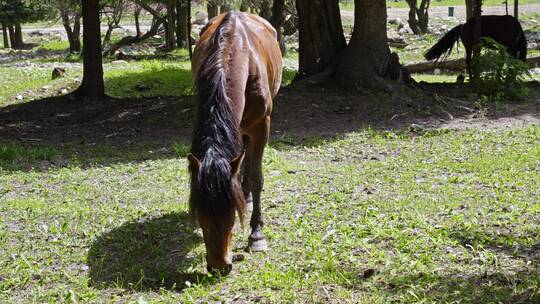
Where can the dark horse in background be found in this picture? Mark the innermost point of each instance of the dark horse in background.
(237, 67)
(506, 30)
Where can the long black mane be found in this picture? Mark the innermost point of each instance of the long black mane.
(216, 138)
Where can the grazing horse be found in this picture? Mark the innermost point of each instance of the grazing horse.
(237, 67)
(506, 30)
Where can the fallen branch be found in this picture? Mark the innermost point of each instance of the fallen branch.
(453, 65)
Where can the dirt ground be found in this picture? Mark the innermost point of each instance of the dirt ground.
(298, 114)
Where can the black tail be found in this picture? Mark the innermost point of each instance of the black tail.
(445, 45)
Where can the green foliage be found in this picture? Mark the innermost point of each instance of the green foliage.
(23, 11)
(500, 74)
(10, 153)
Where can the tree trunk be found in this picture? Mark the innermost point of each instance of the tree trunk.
(423, 15)
(225, 8)
(18, 37)
(5, 36)
(12, 39)
(516, 9)
(266, 10)
(92, 87)
(277, 22)
(212, 10)
(469, 4)
(477, 34)
(73, 34)
(367, 59)
(182, 34)
(244, 6)
(413, 23)
(170, 29)
(136, 16)
(321, 35)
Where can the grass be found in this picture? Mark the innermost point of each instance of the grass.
(369, 217)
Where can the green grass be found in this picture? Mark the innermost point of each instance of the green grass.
(17, 80)
(369, 217)
(55, 45)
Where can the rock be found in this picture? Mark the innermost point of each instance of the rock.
(64, 91)
(19, 97)
(437, 71)
(395, 21)
(58, 73)
(119, 62)
(201, 18)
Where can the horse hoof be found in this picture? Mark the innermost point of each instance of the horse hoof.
(259, 245)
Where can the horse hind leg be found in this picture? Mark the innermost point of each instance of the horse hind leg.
(259, 138)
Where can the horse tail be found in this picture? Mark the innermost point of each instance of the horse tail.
(444, 45)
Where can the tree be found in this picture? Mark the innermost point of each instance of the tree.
(70, 12)
(321, 35)
(477, 35)
(112, 10)
(5, 35)
(213, 10)
(277, 19)
(469, 8)
(182, 23)
(92, 87)
(367, 59)
(15, 12)
(516, 9)
(418, 25)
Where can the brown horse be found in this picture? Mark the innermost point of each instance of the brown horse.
(237, 67)
(506, 30)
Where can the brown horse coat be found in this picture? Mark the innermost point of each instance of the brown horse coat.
(237, 67)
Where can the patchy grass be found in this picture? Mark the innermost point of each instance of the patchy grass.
(369, 217)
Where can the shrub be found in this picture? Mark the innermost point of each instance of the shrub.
(500, 74)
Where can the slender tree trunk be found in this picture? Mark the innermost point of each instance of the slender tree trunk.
(73, 34)
(182, 34)
(423, 15)
(367, 59)
(18, 36)
(516, 9)
(136, 16)
(277, 22)
(477, 35)
(92, 87)
(321, 35)
(212, 10)
(12, 39)
(170, 30)
(5, 36)
(225, 8)
(413, 23)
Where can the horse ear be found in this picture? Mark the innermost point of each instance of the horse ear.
(236, 163)
(194, 163)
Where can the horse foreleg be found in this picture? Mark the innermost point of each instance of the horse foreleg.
(259, 138)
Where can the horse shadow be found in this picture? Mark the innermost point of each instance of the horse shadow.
(147, 254)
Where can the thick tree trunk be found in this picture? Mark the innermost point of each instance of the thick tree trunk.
(5, 35)
(367, 58)
(182, 15)
(92, 87)
(19, 43)
(469, 5)
(321, 35)
(516, 9)
(170, 29)
(213, 10)
(277, 20)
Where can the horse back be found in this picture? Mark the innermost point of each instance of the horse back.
(504, 29)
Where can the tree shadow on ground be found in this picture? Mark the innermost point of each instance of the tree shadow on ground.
(91, 130)
(147, 254)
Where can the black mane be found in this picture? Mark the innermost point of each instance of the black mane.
(216, 138)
